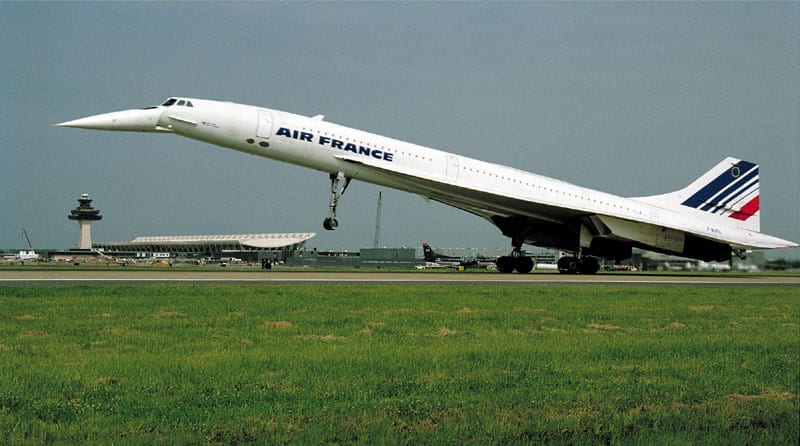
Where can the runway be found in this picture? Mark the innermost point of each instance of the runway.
(45, 276)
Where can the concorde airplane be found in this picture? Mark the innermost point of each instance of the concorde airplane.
(711, 219)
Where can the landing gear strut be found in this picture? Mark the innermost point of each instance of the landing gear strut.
(330, 223)
(516, 261)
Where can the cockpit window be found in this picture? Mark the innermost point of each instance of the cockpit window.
(174, 101)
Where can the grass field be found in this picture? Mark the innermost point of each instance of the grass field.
(326, 363)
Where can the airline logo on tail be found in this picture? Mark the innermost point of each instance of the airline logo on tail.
(734, 192)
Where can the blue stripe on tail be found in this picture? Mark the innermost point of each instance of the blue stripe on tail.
(728, 192)
(727, 178)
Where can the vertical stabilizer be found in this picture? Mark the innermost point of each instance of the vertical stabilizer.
(428, 253)
(728, 194)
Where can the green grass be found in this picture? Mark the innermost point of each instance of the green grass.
(395, 364)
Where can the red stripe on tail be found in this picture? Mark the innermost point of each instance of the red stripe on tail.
(747, 211)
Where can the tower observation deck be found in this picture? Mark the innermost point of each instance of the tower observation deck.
(85, 214)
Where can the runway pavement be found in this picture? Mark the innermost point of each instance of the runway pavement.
(121, 275)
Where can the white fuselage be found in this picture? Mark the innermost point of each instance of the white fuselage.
(232, 125)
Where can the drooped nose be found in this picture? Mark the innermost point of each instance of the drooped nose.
(139, 120)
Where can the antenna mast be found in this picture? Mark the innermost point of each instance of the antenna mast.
(377, 223)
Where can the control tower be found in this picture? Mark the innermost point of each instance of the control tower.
(85, 214)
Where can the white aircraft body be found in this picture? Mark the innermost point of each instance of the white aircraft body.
(715, 216)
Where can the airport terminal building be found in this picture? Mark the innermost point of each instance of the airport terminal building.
(248, 247)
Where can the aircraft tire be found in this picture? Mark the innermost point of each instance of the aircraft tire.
(568, 265)
(330, 224)
(589, 265)
(523, 265)
(506, 264)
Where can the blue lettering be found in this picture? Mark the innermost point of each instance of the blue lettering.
(336, 144)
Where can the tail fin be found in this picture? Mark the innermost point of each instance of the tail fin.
(428, 253)
(728, 191)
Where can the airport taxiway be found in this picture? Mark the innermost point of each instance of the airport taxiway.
(232, 276)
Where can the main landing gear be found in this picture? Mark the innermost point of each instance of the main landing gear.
(516, 261)
(578, 265)
(566, 265)
(330, 223)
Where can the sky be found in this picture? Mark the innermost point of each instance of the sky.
(629, 98)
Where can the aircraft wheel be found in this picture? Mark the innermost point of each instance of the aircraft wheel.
(589, 265)
(505, 264)
(524, 265)
(330, 224)
(568, 265)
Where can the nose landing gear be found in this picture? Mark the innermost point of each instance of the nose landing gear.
(331, 223)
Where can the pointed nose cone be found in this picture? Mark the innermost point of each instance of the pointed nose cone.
(126, 121)
(96, 122)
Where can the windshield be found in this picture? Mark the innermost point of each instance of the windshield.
(181, 102)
